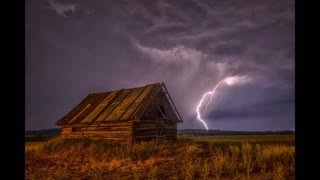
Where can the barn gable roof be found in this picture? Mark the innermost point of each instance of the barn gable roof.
(124, 104)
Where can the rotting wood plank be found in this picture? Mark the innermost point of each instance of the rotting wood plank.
(111, 129)
(107, 127)
(112, 124)
(125, 115)
(95, 112)
(138, 101)
(141, 137)
(109, 134)
(147, 99)
(146, 127)
(146, 134)
(98, 135)
(94, 101)
(114, 104)
(109, 108)
(79, 114)
(104, 135)
(88, 100)
(126, 103)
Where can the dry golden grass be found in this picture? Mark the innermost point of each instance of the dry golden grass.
(33, 145)
(87, 159)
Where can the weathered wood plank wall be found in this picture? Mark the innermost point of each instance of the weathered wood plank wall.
(151, 129)
(112, 131)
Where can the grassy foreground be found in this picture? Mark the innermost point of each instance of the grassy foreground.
(216, 157)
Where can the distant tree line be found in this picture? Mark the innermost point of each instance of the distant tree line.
(39, 137)
(196, 132)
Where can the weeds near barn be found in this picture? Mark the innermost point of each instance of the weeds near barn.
(186, 159)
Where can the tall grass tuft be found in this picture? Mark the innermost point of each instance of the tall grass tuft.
(233, 159)
(205, 169)
(218, 163)
(278, 171)
(246, 155)
(188, 168)
(153, 172)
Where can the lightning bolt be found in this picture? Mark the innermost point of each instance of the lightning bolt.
(208, 103)
(229, 81)
(201, 101)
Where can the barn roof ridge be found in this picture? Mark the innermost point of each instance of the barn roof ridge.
(125, 88)
(117, 105)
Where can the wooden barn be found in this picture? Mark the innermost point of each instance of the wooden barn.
(126, 115)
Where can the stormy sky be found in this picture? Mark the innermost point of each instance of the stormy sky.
(77, 47)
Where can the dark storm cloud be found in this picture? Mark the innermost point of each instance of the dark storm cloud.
(254, 110)
(78, 47)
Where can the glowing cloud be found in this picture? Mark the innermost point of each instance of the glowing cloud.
(232, 80)
(237, 80)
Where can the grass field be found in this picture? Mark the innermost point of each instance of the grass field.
(288, 139)
(33, 145)
(204, 157)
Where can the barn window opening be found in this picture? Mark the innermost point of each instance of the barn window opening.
(76, 129)
(161, 112)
